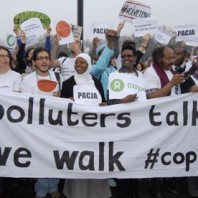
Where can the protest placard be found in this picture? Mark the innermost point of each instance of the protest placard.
(134, 9)
(144, 26)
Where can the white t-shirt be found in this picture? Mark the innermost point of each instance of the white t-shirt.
(10, 81)
(67, 67)
(29, 83)
(153, 80)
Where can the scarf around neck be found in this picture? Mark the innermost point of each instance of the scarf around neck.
(162, 75)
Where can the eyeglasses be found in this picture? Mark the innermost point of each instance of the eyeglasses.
(4, 56)
(42, 58)
(127, 56)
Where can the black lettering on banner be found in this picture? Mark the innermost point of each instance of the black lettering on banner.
(190, 160)
(127, 120)
(15, 108)
(103, 118)
(165, 162)
(22, 153)
(18, 154)
(178, 158)
(4, 155)
(69, 114)
(90, 164)
(30, 110)
(70, 159)
(174, 120)
(2, 111)
(194, 114)
(185, 113)
(58, 120)
(89, 116)
(114, 158)
(151, 116)
(65, 159)
(101, 156)
(41, 111)
(94, 30)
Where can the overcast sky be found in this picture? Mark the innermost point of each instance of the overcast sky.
(167, 12)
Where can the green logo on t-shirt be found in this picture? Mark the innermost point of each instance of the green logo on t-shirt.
(117, 85)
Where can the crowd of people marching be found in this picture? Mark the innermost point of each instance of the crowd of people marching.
(165, 74)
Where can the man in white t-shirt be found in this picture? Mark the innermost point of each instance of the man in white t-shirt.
(66, 64)
(161, 79)
(34, 82)
(43, 81)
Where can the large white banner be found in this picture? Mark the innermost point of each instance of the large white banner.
(54, 137)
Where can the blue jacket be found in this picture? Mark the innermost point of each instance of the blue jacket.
(102, 69)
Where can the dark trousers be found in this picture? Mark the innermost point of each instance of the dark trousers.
(127, 187)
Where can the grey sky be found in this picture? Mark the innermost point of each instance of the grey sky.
(167, 12)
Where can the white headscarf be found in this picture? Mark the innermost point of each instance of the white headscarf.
(85, 78)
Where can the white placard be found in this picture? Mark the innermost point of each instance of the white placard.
(134, 9)
(76, 30)
(186, 32)
(86, 95)
(10, 42)
(162, 38)
(123, 84)
(63, 29)
(31, 41)
(144, 26)
(32, 26)
(99, 29)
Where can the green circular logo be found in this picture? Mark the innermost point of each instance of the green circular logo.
(10, 40)
(117, 85)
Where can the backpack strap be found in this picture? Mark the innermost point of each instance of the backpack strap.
(58, 79)
(64, 60)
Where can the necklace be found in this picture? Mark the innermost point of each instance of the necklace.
(43, 76)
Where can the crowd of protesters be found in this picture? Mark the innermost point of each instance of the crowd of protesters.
(164, 74)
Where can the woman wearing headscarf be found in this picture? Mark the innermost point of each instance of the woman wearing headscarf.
(84, 89)
(83, 82)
